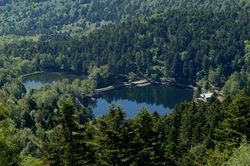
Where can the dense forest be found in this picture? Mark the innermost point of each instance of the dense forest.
(19, 17)
(62, 132)
(203, 43)
(195, 46)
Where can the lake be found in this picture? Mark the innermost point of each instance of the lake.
(160, 98)
(41, 79)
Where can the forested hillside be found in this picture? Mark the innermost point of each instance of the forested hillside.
(190, 45)
(22, 17)
(41, 129)
(204, 43)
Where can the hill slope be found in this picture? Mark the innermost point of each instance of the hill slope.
(20, 18)
(190, 45)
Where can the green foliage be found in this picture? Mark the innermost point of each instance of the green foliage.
(112, 136)
(31, 161)
(4, 112)
(193, 134)
(16, 89)
(214, 77)
(8, 149)
(240, 155)
(247, 53)
(233, 85)
(36, 17)
(101, 76)
(239, 80)
(8, 152)
(235, 124)
(206, 42)
(68, 145)
(199, 47)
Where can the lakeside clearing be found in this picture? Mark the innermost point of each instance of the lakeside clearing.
(30, 74)
(141, 83)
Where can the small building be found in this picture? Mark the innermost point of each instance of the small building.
(205, 96)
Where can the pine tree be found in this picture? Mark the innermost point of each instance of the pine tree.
(111, 138)
(236, 123)
(70, 146)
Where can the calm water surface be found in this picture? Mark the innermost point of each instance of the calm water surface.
(42, 79)
(160, 98)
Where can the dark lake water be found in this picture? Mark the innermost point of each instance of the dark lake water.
(160, 98)
(42, 79)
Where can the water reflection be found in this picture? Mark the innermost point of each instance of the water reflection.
(42, 79)
(158, 98)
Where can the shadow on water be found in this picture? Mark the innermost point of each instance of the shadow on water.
(160, 98)
(42, 79)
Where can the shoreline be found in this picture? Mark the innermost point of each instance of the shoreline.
(53, 72)
(30, 74)
(142, 83)
(133, 84)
